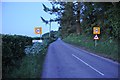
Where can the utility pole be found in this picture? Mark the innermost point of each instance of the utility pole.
(50, 27)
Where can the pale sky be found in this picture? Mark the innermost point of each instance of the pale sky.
(21, 17)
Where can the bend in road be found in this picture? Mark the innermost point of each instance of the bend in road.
(65, 61)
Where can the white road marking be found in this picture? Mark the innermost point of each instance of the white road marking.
(93, 54)
(88, 65)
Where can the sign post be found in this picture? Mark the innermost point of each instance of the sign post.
(50, 28)
(96, 38)
(96, 30)
(95, 42)
(40, 32)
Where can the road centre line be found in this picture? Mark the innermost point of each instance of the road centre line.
(88, 65)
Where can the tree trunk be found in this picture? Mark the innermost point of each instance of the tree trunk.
(78, 29)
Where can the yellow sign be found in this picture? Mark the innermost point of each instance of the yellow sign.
(96, 30)
(38, 30)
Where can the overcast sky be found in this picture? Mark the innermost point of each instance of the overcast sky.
(21, 17)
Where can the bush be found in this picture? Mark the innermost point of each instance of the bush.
(12, 52)
(106, 47)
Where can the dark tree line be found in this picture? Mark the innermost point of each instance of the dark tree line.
(81, 17)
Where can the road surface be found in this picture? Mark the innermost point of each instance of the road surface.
(66, 61)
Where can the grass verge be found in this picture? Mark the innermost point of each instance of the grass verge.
(106, 47)
(31, 66)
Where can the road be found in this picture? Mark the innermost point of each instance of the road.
(66, 61)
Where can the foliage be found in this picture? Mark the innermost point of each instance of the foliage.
(12, 52)
(104, 15)
(45, 21)
(36, 38)
(104, 48)
(53, 36)
(32, 63)
(67, 16)
(67, 20)
(114, 20)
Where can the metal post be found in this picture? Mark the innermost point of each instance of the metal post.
(50, 28)
(40, 36)
(95, 42)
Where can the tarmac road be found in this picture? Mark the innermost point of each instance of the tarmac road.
(66, 61)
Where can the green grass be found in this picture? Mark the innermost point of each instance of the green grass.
(31, 66)
(106, 47)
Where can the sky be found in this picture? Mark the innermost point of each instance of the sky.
(21, 18)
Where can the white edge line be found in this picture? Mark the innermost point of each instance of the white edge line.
(109, 60)
(88, 65)
(102, 57)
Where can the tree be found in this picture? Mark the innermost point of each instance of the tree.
(75, 16)
(66, 16)
(94, 14)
